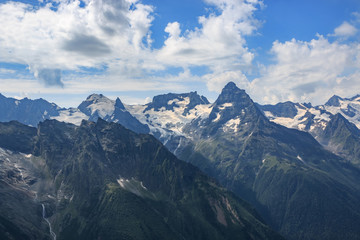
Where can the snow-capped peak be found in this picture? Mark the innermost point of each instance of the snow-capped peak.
(97, 104)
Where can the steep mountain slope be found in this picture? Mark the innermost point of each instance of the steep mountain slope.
(342, 137)
(301, 189)
(110, 183)
(20, 215)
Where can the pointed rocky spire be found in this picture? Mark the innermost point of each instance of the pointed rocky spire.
(233, 104)
(119, 104)
(232, 94)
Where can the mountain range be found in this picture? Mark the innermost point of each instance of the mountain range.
(335, 124)
(297, 164)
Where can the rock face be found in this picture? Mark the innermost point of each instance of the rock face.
(342, 137)
(106, 182)
(20, 210)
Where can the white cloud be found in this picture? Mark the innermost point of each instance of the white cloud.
(216, 81)
(309, 71)
(173, 29)
(345, 30)
(116, 34)
(71, 36)
(77, 84)
(219, 43)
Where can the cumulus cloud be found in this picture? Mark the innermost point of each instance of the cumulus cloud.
(173, 29)
(216, 81)
(219, 43)
(309, 71)
(67, 36)
(345, 30)
(63, 35)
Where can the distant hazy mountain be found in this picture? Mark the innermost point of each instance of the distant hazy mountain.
(31, 112)
(102, 181)
(26, 111)
(98, 106)
(319, 121)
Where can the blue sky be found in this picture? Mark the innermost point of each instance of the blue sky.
(276, 50)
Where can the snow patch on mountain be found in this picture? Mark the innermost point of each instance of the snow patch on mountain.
(349, 108)
(232, 125)
(225, 105)
(163, 120)
(218, 116)
(71, 115)
(287, 121)
(315, 119)
(100, 105)
(181, 103)
(307, 119)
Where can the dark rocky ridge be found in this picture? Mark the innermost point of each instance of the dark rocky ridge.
(106, 176)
